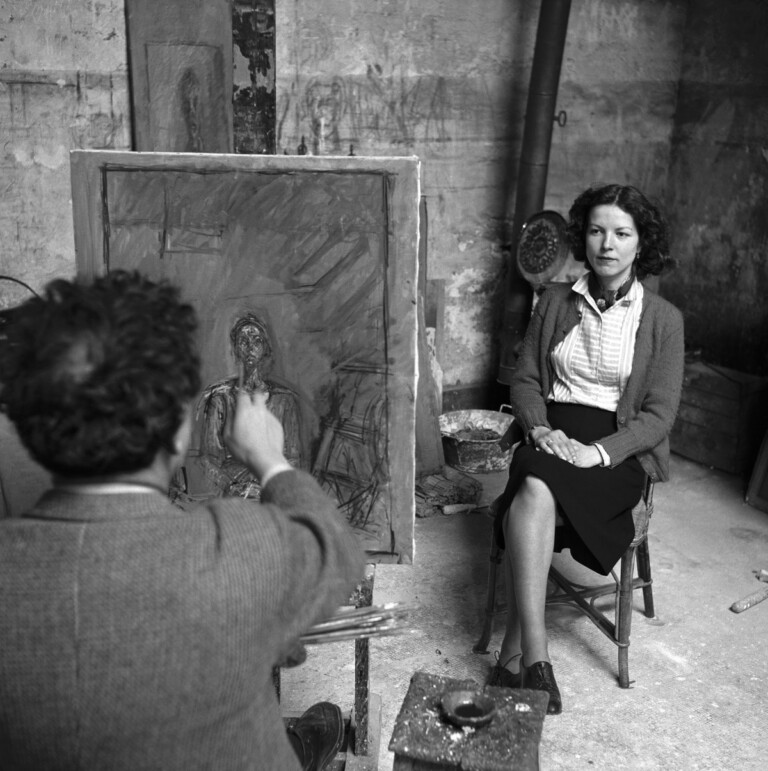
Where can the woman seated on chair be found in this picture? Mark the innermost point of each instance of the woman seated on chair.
(595, 393)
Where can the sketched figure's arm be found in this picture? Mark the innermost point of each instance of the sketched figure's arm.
(214, 456)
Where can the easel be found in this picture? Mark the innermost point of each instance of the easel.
(362, 729)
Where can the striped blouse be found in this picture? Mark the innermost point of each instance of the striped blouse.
(593, 363)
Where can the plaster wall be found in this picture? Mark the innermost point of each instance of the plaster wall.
(618, 86)
(446, 80)
(719, 185)
(63, 85)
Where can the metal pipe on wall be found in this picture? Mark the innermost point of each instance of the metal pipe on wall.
(534, 165)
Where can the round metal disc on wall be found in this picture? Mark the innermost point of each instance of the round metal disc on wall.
(543, 247)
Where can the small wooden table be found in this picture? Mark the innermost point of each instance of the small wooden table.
(423, 740)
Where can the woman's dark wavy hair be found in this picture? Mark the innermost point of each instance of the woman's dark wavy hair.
(654, 254)
(95, 377)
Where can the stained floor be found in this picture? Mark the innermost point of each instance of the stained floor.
(699, 697)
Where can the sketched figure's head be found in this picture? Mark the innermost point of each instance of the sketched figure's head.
(96, 377)
(250, 341)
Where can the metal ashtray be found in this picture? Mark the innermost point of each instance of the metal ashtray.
(468, 708)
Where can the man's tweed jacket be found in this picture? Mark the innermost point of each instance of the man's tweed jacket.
(135, 635)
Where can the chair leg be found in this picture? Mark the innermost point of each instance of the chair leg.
(644, 571)
(481, 646)
(624, 667)
(624, 617)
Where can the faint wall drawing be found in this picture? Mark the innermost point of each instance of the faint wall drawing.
(252, 351)
(191, 109)
(324, 252)
(185, 104)
(326, 105)
(378, 109)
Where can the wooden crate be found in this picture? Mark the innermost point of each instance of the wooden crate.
(722, 417)
(757, 490)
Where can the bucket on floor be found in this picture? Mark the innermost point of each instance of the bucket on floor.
(471, 440)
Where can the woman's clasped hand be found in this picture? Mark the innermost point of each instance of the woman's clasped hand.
(555, 442)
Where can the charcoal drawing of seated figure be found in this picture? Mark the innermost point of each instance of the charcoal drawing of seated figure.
(252, 350)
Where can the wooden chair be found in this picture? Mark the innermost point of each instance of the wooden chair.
(617, 629)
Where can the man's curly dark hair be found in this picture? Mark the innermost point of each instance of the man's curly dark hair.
(96, 376)
(654, 254)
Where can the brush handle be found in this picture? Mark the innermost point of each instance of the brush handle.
(751, 599)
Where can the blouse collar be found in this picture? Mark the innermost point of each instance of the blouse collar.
(587, 284)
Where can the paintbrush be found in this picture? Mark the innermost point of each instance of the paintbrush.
(357, 623)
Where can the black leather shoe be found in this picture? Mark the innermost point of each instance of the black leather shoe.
(501, 677)
(320, 733)
(540, 677)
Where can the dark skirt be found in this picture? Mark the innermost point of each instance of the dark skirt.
(595, 503)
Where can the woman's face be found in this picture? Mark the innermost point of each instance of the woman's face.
(612, 243)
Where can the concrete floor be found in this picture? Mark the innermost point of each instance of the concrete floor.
(700, 671)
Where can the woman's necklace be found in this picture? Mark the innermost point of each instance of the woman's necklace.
(606, 298)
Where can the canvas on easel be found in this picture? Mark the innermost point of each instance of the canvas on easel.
(303, 273)
(180, 56)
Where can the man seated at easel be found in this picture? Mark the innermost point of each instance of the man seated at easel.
(134, 634)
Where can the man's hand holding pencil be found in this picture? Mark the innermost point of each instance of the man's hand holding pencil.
(255, 436)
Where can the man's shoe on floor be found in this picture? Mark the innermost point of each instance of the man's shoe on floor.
(320, 733)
